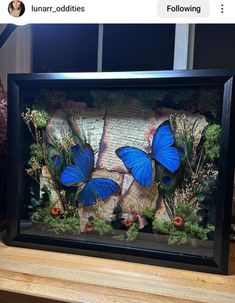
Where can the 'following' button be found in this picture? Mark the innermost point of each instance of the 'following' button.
(183, 8)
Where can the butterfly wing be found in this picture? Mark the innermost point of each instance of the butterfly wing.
(162, 148)
(84, 163)
(138, 162)
(84, 160)
(76, 149)
(97, 188)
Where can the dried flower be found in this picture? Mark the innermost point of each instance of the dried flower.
(36, 151)
(40, 118)
(185, 129)
(55, 211)
(212, 141)
(27, 117)
(34, 171)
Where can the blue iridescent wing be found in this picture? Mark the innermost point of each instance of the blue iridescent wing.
(138, 162)
(97, 188)
(71, 175)
(84, 160)
(162, 148)
(76, 149)
(84, 164)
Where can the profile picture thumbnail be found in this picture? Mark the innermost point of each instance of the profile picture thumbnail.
(16, 8)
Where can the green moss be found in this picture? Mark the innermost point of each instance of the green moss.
(184, 210)
(119, 237)
(212, 142)
(190, 231)
(132, 232)
(40, 118)
(162, 226)
(38, 216)
(181, 96)
(148, 98)
(197, 231)
(178, 237)
(148, 213)
(56, 224)
(120, 97)
(102, 227)
(209, 100)
(103, 98)
(36, 152)
(130, 235)
(213, 132)
(100, 97)
(51, 97)
(151, 97)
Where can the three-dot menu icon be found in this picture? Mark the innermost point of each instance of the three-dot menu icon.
(222, 8)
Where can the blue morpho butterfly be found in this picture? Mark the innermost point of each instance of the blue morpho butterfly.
(79, 174)
(140, 163)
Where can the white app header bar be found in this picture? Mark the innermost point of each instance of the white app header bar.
(117, 11)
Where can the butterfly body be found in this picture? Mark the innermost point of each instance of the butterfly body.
(163, 152)
(79, 174)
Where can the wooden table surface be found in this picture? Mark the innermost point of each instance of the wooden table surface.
(34, 276)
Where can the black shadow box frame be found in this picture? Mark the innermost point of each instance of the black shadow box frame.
(224, 78)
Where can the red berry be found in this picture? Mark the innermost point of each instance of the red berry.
(89, 228)
(55, 211)
(178, 222)
(128, 222)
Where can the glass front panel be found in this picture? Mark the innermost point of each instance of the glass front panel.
(133, 167)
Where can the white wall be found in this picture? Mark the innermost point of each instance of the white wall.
(16, 59)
